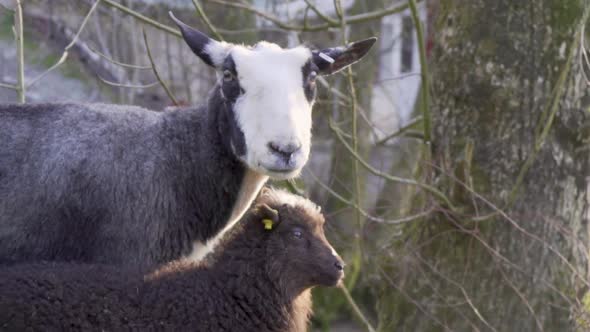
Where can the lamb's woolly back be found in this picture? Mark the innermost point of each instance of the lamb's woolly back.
(260, 281)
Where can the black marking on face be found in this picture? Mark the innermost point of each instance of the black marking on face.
(230, 82)
(230, 86)
(309, 73)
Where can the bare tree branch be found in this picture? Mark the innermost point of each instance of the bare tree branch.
(400, 131)
(115, 62)
(142, 18)
(367, 215)
(349, 20)
(321, 15)
(149, 53)
(126, 85)
(20, 49)
(8, 86)
(356, 309)
(211, 27)
(389, 177)
(425, 89)
(65, 53)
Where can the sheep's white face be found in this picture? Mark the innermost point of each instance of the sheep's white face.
(272, 108)
(267, 94)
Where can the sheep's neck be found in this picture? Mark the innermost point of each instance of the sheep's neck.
(251, 185)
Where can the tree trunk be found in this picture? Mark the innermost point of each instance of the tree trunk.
(496, 70)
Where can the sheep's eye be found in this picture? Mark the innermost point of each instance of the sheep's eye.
(298, 234)
(228, 76)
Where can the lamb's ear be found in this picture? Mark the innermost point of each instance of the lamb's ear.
(209, 50)
(268, 216)
(332, 60)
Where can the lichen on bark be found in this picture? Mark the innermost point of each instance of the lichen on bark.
(494, 70)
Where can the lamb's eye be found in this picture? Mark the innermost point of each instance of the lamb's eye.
(228, 76)
(297, 234)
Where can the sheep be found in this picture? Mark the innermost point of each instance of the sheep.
(122, 184)
(259, 280)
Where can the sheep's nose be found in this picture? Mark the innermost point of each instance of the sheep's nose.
(285, 151)
(339, 265)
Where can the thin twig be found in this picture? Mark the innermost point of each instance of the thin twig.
(356, 309)
(400, 131)
(412, 300)
(425, 92)
(461, 288)
(5, 7)
(125, 85)
(346, 98)
(20, 51)
(118, 63)
(389, 177)
(522, 297)
(519, 228)
(8, 86)
(356, 179)
(367, 215)
(149, 53)
(142, 18)
(211, 27)
(321, 15)
(558, 92)
(65, 53)
(584, 60)
(354, 19)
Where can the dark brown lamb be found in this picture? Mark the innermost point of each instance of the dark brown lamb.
(259, 281)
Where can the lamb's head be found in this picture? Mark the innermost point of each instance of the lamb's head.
(268, 93)
(297, 252)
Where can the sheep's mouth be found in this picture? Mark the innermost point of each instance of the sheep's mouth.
(280, 173)
(331, 278)
(280, 170)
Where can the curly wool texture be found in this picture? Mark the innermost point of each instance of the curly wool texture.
(100, 183)
(238, 291)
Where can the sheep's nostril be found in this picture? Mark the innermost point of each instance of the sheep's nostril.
(284, 151)
(339, 266)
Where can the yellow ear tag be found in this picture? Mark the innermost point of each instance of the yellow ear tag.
(267, 224)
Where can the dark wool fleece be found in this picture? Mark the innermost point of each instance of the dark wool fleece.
(236, 293)
(113, 184)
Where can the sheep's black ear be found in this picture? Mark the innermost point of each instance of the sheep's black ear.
(268, 216)
(332, 60)
(209, 50)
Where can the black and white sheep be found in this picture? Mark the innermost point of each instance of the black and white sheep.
(122, 184)
(258, 281)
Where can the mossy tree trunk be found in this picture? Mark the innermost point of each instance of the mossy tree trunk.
(495, 74)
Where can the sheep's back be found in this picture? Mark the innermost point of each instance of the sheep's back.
(70, 172)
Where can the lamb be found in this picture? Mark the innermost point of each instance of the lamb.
(126, 185)
(259, 281)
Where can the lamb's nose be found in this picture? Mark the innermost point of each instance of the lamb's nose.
(339, 265)
(285, 151)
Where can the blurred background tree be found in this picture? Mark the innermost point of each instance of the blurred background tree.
(453, 162)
